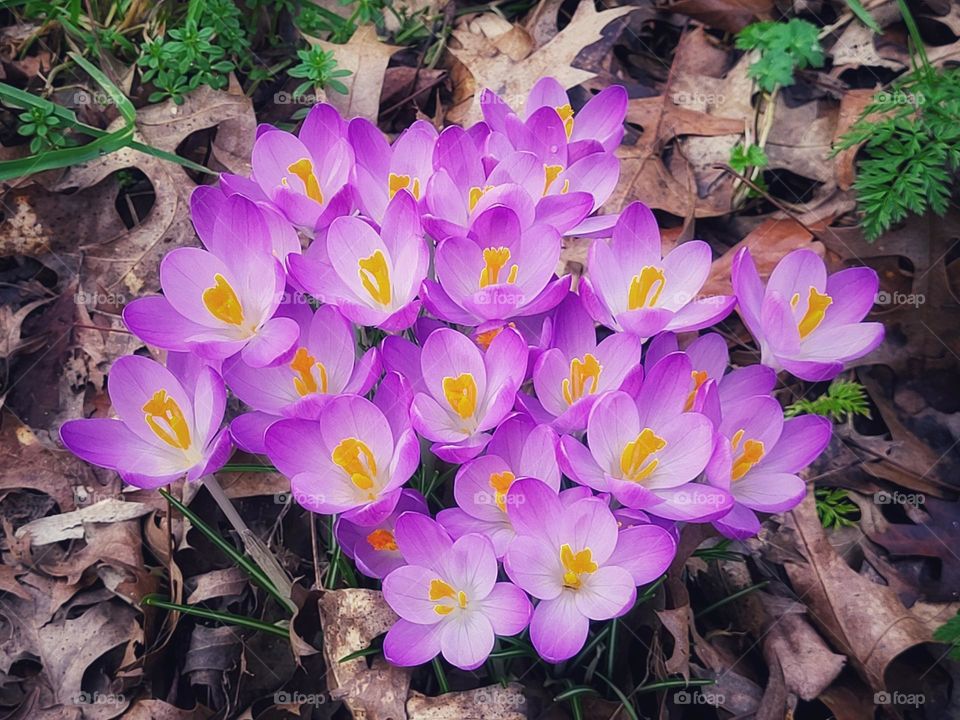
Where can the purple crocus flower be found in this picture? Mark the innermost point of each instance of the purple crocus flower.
(519, 448)
(758, 458)
(372, 277)
(383, 170)
(805, 322)
(448, 597)
(167, 427)
(469, 392)
(323, 366)
(306, 177)
(374, 548)
(220, 301)
(575, 369)
(353, 460)
(647, 451)
(573, 559)
(598, 126)
(505, 272)
(631, 287)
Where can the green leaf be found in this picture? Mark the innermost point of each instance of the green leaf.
(228, 618)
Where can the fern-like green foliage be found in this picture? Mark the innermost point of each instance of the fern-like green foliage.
(834, 508)
(949, 633)
(842, 400)
(911, 136)
(784, 48)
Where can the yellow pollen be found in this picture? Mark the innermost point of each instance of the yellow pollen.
(575, 565)
(222, 301)
(566, 114)
(501, 483)
(817, 304)
(304, 382)
(461, 393)
(752, 453)
(375, 276)
(495, 259)
(381, 540)
(485, 338)
(636, 452)
(699, 378)
(645, 288)
(356, 459)
(476, 193)
(401, 182)
(552, 171)
(581, 372)
(303, 169)
(441, 590)
(161, 408)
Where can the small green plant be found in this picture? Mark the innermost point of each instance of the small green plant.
(949, 633)
(44, 129)
(842, 400)
(784, 48)
(746, 160)
(183, 62)
(319, 68)
(834, 508)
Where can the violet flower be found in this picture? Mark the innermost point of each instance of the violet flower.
(374, 548)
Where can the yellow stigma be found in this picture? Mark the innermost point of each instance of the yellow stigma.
(501, 482)
(381, 540)
(575, 565)
(485, 338)
(165, 418)
(375, 276)
(222, 301)
(476, 193)
(356, 459)
(566, 114)
(303, 169)
(495, 259)
(753, 451)
(552, 171)
(441, 590)
(303, 364)
(817, 305)
(645, 288)
(581, 372)
(699, 378)
(461, 393)
(636, 452)
(401, 182)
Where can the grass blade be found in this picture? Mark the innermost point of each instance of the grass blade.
(228, 618)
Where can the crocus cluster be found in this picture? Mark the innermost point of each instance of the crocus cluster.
(390, 316)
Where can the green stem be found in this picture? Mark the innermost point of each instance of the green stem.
(228, 618)
(441, 676)
(914, 34)
(731, 598)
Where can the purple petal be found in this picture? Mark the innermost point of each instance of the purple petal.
(558, 629)
(408, 644)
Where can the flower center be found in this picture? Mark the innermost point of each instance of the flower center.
(566, 114)
(356, 459)
(751, 454)
(165, 418)
(817, 304)
(222, 302)
(494, 260)
(485, 338)
(381, 540)
(375, 276)
(403, 182)
(552, 172)
(581, 372)
(645, 288)
(476, 193)
(303, 364)
(501, 482)
(461, 393)
(440, 592)
(576, 565)
(699, 378)
(636, 453)
(303, 169)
